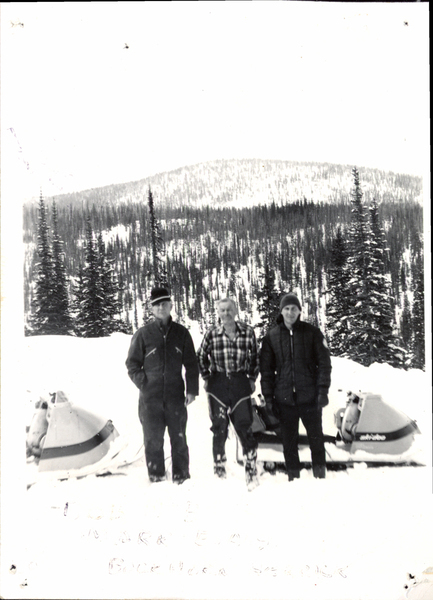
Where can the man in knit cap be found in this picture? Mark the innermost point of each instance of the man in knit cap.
(295, 367)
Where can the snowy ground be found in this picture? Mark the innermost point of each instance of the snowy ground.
(355, 535)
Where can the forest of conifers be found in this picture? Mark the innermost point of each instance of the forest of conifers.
(213, 250)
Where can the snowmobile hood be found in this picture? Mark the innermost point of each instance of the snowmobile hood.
(75, 437)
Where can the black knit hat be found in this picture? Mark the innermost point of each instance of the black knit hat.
(159, 294)
(289, 299)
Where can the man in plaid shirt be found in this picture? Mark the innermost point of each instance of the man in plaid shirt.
(228, 363)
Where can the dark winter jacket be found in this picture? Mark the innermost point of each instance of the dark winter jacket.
(155, 361)
(296, 360)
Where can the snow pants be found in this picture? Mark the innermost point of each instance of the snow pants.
(155, 417)
(311, 417)
(230, 398)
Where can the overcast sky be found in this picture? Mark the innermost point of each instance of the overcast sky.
(329, 82)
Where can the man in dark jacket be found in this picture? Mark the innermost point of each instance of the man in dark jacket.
(157, 354)
(295, 367)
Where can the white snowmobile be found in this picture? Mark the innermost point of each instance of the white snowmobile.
(367, 430)
(67, 440)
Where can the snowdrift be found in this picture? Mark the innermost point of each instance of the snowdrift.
(92, 375)
(354, 535)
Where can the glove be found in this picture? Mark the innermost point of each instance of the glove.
(271, 407)
(270, 415)
(259, 400)
(322, 399)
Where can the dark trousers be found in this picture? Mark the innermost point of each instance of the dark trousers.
(311, 417)
(155, 418)
(230, 399)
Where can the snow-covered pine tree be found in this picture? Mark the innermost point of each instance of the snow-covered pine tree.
(158, 270)
(312, 308)
(406, 329)
(97, 295)
(338, 298)
(418, 322)
(356, 341)
(384, 344)
(77, 299)
(267, 297)
(111, 309)
(43, 319)
(91, 317)
(60, 281)
(370, 335)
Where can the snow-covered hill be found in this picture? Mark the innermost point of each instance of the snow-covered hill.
(355, 535)
(237, 183)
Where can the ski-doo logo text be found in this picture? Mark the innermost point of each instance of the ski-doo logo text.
(374, 437)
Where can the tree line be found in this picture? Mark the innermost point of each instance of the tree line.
(254, 254)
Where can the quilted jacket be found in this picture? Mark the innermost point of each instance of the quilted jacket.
(294, 360)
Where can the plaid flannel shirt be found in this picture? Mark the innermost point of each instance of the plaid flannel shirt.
(218, 353)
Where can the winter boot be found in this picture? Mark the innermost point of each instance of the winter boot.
(293, 474)
(157, 478)
(251, 476)
(179, 479)
(219, 466)
(319, 471)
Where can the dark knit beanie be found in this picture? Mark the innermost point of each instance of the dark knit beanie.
(289, 299)
(159, 294)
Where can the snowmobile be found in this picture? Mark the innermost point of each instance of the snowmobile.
(68, 440)
(367, 430)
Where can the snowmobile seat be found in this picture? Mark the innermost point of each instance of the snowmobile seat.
(350, 418)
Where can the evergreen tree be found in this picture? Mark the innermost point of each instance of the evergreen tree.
(418, 322)
(134, 295)
(60, 286)
(370, 321)
(78, 288)
(267, 298)
(385, 346)
(406, 328)
(90, 320)
(157, 245)
(339, 300)
(112, 307)
(202, 246)
(358, 239)
(357, 343)
(43, 319)
(312, 308)
(97, 295)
